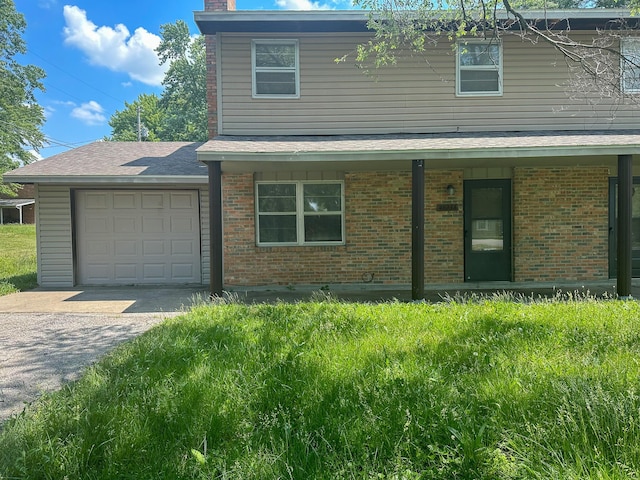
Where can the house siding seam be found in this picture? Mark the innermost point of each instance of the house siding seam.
(54, 236)
(378, 235)
(560, 223)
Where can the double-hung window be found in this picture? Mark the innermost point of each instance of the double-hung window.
(479, 67)
(299, 213)
(630, 64)
(275, 69)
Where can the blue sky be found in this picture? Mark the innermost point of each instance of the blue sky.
(100, 54)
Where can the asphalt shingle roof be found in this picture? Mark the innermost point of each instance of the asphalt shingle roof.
(419, 142)
(114, 159)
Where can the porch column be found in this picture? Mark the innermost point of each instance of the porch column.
(215, 228)
(625, 192)
(417, 229)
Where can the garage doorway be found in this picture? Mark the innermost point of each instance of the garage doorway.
(130, 237)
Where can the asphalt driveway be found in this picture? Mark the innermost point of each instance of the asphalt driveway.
(47, 337)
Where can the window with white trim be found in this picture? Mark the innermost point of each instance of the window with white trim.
(630, 64)
(299, 213)
(479, 67)
(275, 69)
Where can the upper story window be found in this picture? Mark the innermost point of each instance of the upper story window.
(479, 67)
(630, 64)
(300, 213)
(275, 69)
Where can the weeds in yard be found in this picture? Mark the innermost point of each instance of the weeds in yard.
(491, 389)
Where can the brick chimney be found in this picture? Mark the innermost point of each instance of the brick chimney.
(212, 82)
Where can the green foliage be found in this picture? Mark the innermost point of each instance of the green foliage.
(180, 114)
(407, 27)
(20, 115)
(18, 258)
(327, 390)
(124, 124)
(185, 90)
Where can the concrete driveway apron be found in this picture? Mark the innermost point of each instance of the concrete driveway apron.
(47, 337)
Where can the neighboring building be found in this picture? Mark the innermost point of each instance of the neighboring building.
(20, 208)
(319, 174)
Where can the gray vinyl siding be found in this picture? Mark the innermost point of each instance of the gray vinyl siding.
(54, 236)
(205, 243)
(412, 97)
(55, 253)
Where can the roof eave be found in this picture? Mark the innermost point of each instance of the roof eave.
(106, 179)
(238, 21)
(424, 154)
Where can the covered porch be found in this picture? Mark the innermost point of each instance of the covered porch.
(609, 150)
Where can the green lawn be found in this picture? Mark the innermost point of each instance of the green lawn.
(327, 390)
(17, 258)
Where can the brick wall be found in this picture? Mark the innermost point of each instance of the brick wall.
(212, 85)
(560, 223)
(378, 234)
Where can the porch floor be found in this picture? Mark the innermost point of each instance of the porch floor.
(433, 292)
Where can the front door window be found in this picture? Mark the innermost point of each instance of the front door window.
(487, 218)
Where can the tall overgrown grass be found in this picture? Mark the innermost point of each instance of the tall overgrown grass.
(327, 390)
(17, 258)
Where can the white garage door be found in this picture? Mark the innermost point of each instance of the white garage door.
(137, 237)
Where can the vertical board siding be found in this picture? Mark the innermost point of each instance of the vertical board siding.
(416, 96)
(54, 236)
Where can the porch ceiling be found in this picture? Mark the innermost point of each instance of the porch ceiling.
(395, 151)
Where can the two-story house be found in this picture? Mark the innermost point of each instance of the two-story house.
(476, 166)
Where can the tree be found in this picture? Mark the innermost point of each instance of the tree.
(20, 115)
(180, 114)
(411, 27)
(185, 96)
(124, 123)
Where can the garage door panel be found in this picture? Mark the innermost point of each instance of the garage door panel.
(95, 200)
(152, 200)
(126, 272)
(98, 248)
(124, 225)
(124, 201)
(153, 247)
(98, 272)
(95, 225)
(153, 225)
(155, 271)
(182, 270)
(137, 237)
(182, 247)
(126, 247)
(182, 225)
(181, 201)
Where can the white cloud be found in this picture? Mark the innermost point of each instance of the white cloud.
(301, 5)
(90, 113)
(115, 48)
(127, 84)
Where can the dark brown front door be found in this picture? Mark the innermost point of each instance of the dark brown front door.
(487, 230)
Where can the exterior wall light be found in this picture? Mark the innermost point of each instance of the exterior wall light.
(451, 190)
